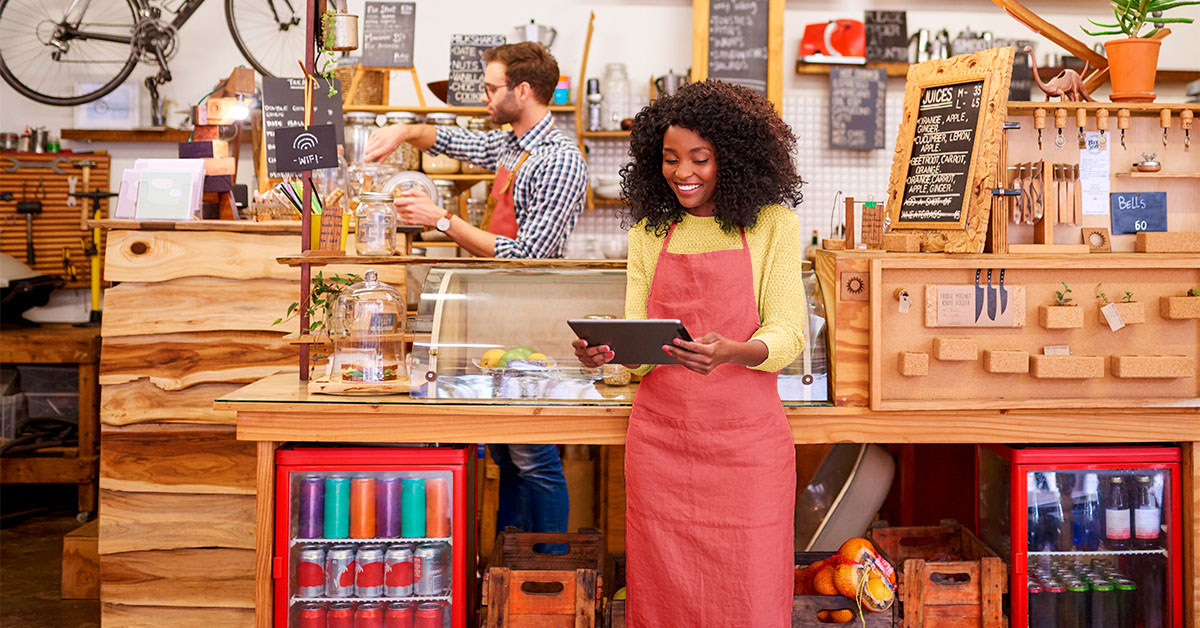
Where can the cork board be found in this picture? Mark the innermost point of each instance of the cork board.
(947, 149)
(958, 385)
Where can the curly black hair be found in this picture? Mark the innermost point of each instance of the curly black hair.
(753, 145)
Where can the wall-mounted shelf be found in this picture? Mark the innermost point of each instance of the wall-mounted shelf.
(1134, 108)
(592, 135)
(150, 134)
(1159, 175)
(463, 177)
(819, 69)
(462, 111)
(315, 258)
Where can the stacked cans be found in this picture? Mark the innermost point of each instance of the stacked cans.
(340, 506)
(1069, 592)
(371, 571)
(371, 615)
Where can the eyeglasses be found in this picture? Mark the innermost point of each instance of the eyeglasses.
(492, 89)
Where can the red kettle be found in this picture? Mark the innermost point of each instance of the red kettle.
(836, 38)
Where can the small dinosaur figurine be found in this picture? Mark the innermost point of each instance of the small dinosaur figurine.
(1068, 85)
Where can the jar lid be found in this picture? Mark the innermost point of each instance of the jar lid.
(406, 117)
(361, 117)
(376, 196)
(443, 183)
(441, 118)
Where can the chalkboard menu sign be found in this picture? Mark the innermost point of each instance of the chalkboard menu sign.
(466, 67)
(1133, 212)
(737, 42)
(939, 169)
(283, 106)
(887, 36)
(857, 104)
(388, 34)
(1021, 86)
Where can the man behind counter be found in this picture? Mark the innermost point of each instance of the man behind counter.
(541, 178)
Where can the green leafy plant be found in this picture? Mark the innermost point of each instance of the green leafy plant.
(322, 297)
(1099, 294)
(1193, 293)
(1063, 297)
(1128, 297)
(1131, 16)
(323, 59)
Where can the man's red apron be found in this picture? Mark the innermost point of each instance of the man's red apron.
(710, 466)
(500, 218)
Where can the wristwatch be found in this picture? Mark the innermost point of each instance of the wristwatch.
(443, 223)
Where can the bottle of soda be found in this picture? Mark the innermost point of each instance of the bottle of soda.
(1085, 520)
(1062, 488)
(1051, 515)
(1147, 516)
(1117, 515)
(1033, 500)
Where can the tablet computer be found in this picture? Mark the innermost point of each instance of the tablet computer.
(634, 341)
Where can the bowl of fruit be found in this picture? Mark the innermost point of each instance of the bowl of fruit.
(520, 358)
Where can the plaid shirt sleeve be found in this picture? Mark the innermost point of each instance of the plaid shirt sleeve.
(554, 200)
(479, 148)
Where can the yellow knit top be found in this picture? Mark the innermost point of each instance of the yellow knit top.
(776, 255)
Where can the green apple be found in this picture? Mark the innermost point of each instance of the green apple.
(516, 353)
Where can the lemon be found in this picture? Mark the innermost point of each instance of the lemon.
(491, 359)
(538, 356)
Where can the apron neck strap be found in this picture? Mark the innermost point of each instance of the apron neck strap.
(671, 231)
(513, 174)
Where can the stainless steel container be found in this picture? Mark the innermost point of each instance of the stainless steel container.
(8, 141)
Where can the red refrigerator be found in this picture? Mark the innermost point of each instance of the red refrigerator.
(374, 536)
(1092, 533)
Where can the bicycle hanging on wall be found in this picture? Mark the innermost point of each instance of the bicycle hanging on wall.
(70, 52)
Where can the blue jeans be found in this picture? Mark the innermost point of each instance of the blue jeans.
(533, 490)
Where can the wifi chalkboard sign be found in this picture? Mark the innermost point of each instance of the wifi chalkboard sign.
(283, 107)
(301, 148)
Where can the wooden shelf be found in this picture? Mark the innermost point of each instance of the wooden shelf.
(1159, 175)
(463, 177)
(608, 203)
(818, 69)
(595, 135)
(1134, 108)
(149, 134)
(462, 111)
(241, 226)
(435, 244)
(322, 259)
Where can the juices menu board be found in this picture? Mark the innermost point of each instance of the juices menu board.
(939, 168)
(737, 42)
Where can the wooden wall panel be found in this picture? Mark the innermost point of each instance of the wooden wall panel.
(209, 578)
(143, 402)
(122, 616)
(176, 459)
(131, 522)
(198, 304)
(177, 361)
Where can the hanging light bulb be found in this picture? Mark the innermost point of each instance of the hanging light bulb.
(239, 110)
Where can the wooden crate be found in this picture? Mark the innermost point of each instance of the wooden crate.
(527, 589)
(805, 607)
(949, 577)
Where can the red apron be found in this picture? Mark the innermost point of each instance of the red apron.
(710, 467)
(500, 218)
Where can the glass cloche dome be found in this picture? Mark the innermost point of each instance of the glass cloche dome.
(367, 328)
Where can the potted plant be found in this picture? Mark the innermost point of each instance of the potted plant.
(321, 299)
(1063, 314)
(1132, 312)
(1187, 306)
(1133, 60)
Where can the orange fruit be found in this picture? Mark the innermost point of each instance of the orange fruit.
(857, 550)
(878, 593)
(804, 577)
(823, 617)
(823, 581)
(841, 616)
(846, 578)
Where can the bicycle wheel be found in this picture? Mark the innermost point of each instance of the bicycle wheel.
(61, 59)
(270, 33)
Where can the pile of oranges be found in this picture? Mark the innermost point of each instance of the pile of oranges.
(856, 571)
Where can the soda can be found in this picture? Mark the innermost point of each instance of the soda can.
(398, 615)
(340, 615)
(398, 571)
(310, 571)
(369, 615)
(428, 615)
(368, 580)
(428, 572)
(339, 571)
(311, 616)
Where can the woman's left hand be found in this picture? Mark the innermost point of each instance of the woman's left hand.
(704, 354)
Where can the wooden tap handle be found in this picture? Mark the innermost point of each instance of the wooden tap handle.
(1039, 118)
(1123, 119)
(1081, 117)
(1060, 118)
(1164, 118)
(1102, 120)
(1185, 119)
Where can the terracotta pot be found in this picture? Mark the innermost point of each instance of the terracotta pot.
(1132, 64)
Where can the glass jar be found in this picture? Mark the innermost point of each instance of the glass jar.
(447, 193)
(481, 125)
(331, 185)
(367, 328)
(359, 126)
(476, 208)
(616, 104)
(440, 164)
(368, 177)
(406, 156)
(375, 225)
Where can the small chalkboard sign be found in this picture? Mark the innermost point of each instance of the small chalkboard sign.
(388, 34)
(939, 169)
(1021, 86)
(1138, 211)
(299, 148)
(466, 67)
(857, 104)
(283, 106)
(737, 42)
(887, 36)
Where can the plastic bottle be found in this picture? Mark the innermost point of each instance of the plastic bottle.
(616, 104)
(1086, 525)
(1065, 484)
(1117, 518)
(1033, 499)
(1051, 514)
(1147, 516)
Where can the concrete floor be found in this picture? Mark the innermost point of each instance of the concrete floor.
(33, 520)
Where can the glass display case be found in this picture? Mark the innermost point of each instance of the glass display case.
(1092, 534)
(367, 328)
(485, 334)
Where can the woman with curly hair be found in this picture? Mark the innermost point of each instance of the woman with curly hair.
(709, 460)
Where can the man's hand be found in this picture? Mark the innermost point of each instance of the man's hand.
(591, 357)
(712, 350)
(415, 208)
(384, 141)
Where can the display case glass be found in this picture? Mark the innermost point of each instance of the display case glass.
(487, 334)
(1092, 533)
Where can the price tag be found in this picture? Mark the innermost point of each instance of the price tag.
(1113, 316)
(1056, 350)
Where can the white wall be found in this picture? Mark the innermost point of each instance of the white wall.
(650, 36)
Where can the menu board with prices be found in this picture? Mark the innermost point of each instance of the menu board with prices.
(857, 106)
(388, 28)
(466, 67)
(737, 42)
(939, 168)
(283, 106)
(887, 36)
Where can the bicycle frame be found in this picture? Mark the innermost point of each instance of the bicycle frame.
(68, 31)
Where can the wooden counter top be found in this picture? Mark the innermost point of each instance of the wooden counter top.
(279, 408)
